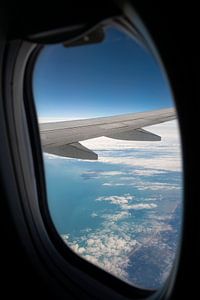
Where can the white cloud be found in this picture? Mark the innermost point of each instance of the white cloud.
(103, 173)
(124, 202)
(164, 163)
(94, 215)
(54, 157)
(65, 237)
(112, 245)
(166, 153)
(147, 172)
(49, 156)
(141, 206)
(77, 248)
(145, 185)
(116, 217)
(155, 186)
(108, 251)
(113, 184)
(111, 173)
(119, 200)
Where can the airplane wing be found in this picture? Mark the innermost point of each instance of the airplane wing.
(62, 138)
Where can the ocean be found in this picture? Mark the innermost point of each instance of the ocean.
(123, 218)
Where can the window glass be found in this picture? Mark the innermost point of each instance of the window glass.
(122, 211)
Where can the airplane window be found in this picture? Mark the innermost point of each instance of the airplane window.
(114, 186)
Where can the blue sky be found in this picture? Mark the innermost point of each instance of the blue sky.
(115, 77)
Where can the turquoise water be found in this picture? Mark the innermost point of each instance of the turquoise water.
(119, 217)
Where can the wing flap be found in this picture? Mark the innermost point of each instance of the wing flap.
(135, 135)
(74, 150)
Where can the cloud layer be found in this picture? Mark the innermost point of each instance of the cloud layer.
(124, 202)
(165, 155)
(107, 251)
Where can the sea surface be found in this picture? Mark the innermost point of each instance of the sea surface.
(124, 218)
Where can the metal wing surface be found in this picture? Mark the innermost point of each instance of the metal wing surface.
(62, 138)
